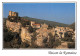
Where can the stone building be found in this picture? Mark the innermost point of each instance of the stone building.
(60, 31)
(13, 14)
(32, 22)
(36, 26)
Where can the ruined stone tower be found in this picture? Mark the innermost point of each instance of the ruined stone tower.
(13, 14)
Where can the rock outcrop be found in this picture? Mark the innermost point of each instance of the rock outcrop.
(13, 26)
(25, 35)
(43, 38)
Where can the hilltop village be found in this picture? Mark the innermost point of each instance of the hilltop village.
(22, 33)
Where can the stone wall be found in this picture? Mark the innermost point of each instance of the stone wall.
(13, 13)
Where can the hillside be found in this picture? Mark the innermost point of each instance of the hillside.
(72, 26)
(22, 32)
(51, 23)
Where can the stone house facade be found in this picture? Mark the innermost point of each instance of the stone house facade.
(60, 31)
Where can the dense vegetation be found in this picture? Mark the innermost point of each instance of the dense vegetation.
(71, 45)
(72, 26)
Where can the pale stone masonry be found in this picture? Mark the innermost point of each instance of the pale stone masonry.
(35, 25)
(13, 14)
(62, 30)
(32, 22)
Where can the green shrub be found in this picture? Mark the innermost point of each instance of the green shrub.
(57, 43)
(69, 39)
(71, 45)
(53, 42)
(31, 29)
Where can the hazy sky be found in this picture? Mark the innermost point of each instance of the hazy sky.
(58, 12)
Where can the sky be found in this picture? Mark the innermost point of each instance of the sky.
(58, 12)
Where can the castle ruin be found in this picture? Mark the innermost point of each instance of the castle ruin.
(11, 13)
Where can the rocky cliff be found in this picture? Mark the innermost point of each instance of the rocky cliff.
(25, 35)
(13, 26)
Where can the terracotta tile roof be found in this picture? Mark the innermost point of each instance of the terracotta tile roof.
(36, 24)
